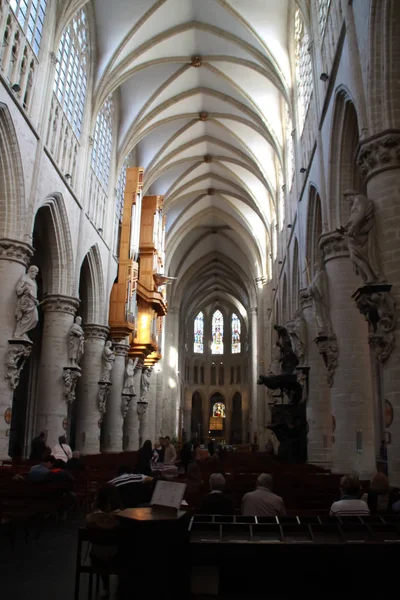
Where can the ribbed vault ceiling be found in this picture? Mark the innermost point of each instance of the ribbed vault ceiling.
(201, 86)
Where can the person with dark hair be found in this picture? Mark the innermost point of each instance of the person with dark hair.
(160, 450)
(186, 455)
(130, 488)
(145, 458)
(61, 450)
(40, 472)
(58, 473)
(38, 447)
(350, 503)
(104, 516)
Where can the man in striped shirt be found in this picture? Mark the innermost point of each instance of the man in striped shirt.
(125, 476)
(350, 503)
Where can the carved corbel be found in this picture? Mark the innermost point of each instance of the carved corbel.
(70, 377)
(328, 348)
(376, 303)
(15, 359)
(141, 409)
(104, 389)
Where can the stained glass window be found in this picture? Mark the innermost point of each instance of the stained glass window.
(219, 410)
(303, 67)
(30, 15)
(198, 346)
(323, 9)
(217, 346)
(71, 70)
(235, 334)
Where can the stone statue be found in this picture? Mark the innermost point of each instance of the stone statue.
(360, 236)
(15, 360)
(76, 342)
(288, 359)
(26, 314)
(318, 292)
(275, 365)
(129, 388)
(297, 330)
(145, 383)
(107, 361)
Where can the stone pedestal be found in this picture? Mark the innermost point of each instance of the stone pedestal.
(351, 389)
(379, 159)
(113, 419)
(14, 259)
(52, 411)
(131, 421)
(88, 415)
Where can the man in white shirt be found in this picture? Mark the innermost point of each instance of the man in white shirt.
(350, 503)
(263, 502)
(62, 451)
(170, 452)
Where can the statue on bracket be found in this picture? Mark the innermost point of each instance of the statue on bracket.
(26, 313)
(360, 235)
(70, 377)
(319, 294)
(145, 383)
(107, 362)
(129, 389)
(297, 330)
(76, 342)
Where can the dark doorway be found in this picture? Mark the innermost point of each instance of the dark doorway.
(196, 420)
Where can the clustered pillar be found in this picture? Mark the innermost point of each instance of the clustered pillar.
(52, 412)
(87, 435)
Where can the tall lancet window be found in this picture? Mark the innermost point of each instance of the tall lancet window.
(217, 346)
(198, 346)
(30, 15)
(71, 70)
(235, 334)
(102, 143)
(303, 68)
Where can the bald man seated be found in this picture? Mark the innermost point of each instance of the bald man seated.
(263, 502)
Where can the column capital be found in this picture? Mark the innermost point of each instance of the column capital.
(380, 152)
(16, 251)
(59, 303)
(120, 348)
(96, 331)
(333, 245)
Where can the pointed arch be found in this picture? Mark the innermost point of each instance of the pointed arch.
(343, 152)
(295, 277)
(60, 275)
(91, 288)
(314, 230)
(12, 186)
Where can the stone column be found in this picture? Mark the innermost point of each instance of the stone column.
(113, 419)
(228, 420)
(254, 375)
(131, 421)
(351, 391)
(142, 410)
(379, 159)
(319, 414)
(14, 259)
(52, 411)
(87, 435)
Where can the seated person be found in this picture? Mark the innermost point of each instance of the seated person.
(130, 488)
(350, 503)
(194, 485)
(104, 516)
(58, 474)
(62, 451)
(39, 473)
(378, 495)
(262, 502)
(75, 463)
(217, 502)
